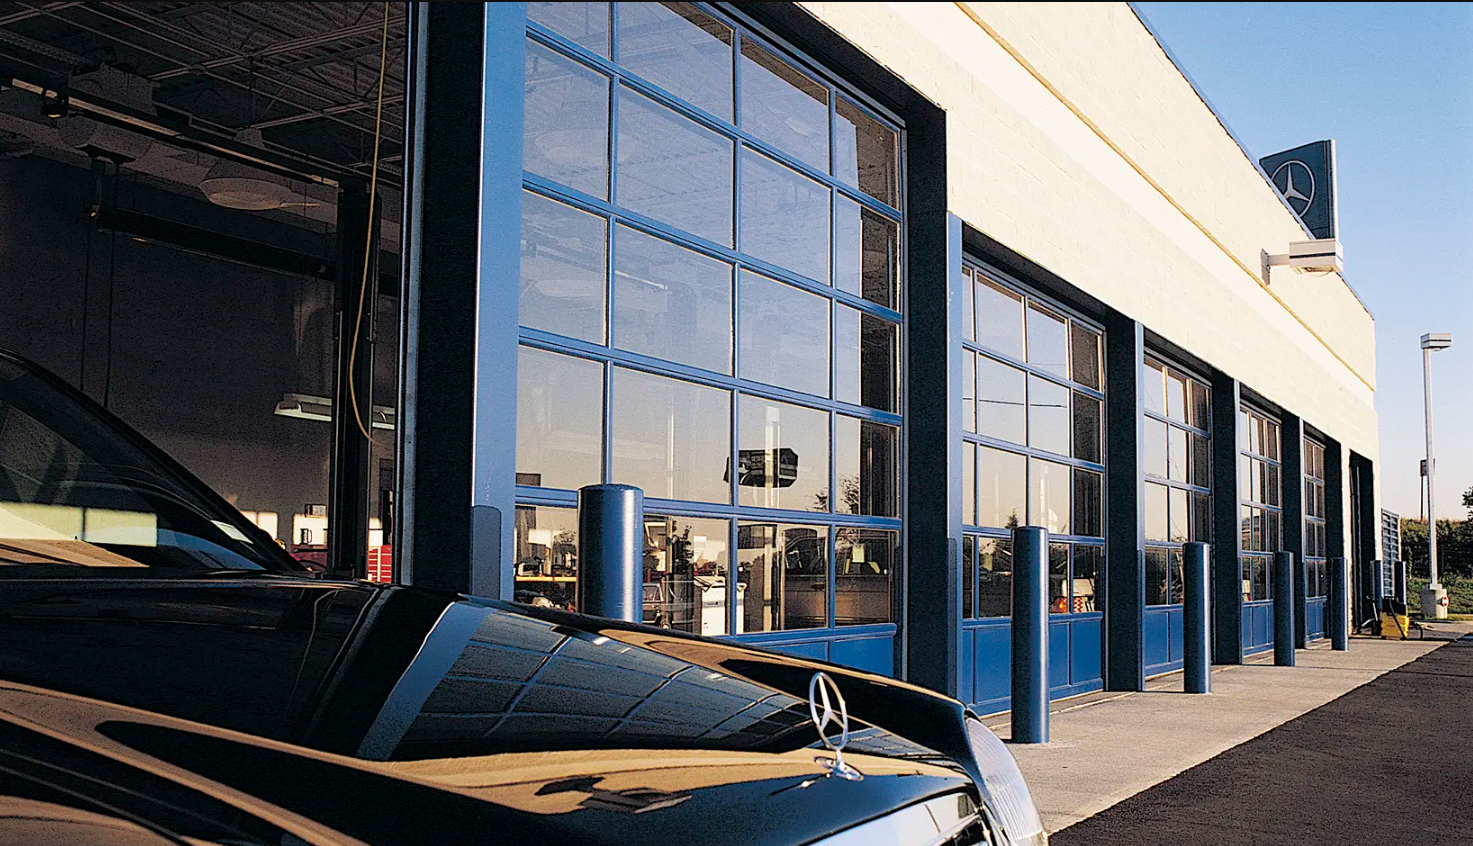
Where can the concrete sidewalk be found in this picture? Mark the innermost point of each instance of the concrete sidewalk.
(1106, 747)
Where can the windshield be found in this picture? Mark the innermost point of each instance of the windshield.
(81, 497)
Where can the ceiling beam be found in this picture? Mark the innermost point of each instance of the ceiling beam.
(34, 11)
(320, 39)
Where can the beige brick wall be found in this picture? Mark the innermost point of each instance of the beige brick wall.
(1073, 140)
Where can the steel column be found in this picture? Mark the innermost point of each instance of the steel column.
(1125, 591)
(1030, 635)
(352, 410)
(1227, 594)
(1291, 439)
(1283, 583)
(1196, 619)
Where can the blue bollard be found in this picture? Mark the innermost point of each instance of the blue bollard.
(1283, 582)
(1338, 572)
(611, 551)
(1196, 619)
(1030, 635)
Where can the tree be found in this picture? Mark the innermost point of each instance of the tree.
(1467, 503)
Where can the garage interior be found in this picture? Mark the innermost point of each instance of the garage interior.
(185, 226)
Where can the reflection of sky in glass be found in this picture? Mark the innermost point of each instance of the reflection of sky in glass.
(559, 420)
(566, 125)
(765, 428)
(680, 49)
(673, 169)
(1049, 485)
(785, 217)
(670, 302)
(784, 335)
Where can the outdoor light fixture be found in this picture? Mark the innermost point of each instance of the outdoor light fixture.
(1321, 255)
(1434, 596)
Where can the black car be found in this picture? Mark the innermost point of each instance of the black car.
(168, 674)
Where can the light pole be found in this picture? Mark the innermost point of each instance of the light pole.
(1434, 596)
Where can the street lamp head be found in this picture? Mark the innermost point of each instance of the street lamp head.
(1437, 341)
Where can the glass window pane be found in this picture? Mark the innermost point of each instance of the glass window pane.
(1002, 394)
(1271, 536)
(867, 153)
(969, 390)
(1153, 450)
(1247, 573)
(784, 458)
(1260, 524)
(1271, 484)
(994, 578)
(1048, 415)
(673, 169)
(686, 564)
(785, 569)
(866, 252)
(1245, 528)
(1155, 576)
(999, 316)
(1202, 517)
(1201, 461)
(559, 420)
(969, 487)
(1002, 490)
(1176, 397)
(1245, 477)
(1176, 588)
(680, 49)
(670, 302)
(1176, 454)
(670, 438)
(1255, 480)
(864, 578)
(1088, 512)
(969, 576)
(1271, 439)
(785, 217)
(1088, 562)
(1153, 388)
(563, 269)
(1260, 579)
(585, 24)
(784, 106)
(1084, 347)
(1156, 522)
(969, 314)
(1245, 431)
(547, 557)
(1058, 578)
(784, 335)
(1200, 403)
(1048, 486)
(1179, 518)
(867, 465)
(565, 130)
(865, 352)
(1048, 342)
(1087, 428)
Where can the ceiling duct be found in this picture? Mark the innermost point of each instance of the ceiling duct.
(101, 140)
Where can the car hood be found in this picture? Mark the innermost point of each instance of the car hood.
(349, 704)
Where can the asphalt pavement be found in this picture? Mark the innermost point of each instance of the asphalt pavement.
(1388, 762)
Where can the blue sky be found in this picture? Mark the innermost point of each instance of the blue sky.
(1392, 83)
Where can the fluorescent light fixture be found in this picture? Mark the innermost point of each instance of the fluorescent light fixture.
(309, 407)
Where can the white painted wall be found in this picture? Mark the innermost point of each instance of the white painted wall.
(1074, 140)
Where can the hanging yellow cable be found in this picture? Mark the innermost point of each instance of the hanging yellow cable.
(363, 292)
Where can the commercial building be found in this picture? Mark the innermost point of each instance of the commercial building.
(848, 290)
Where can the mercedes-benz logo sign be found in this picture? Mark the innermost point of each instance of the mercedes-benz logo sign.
(1295, 181)
(823, 697)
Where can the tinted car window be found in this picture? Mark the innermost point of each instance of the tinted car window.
(81, 497)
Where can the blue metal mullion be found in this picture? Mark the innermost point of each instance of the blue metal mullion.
(1031, 452)
(833, 579)
(1004, 358)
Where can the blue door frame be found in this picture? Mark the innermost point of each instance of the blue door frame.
(1314, 617)
(1258, 626)
(1164, 633)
